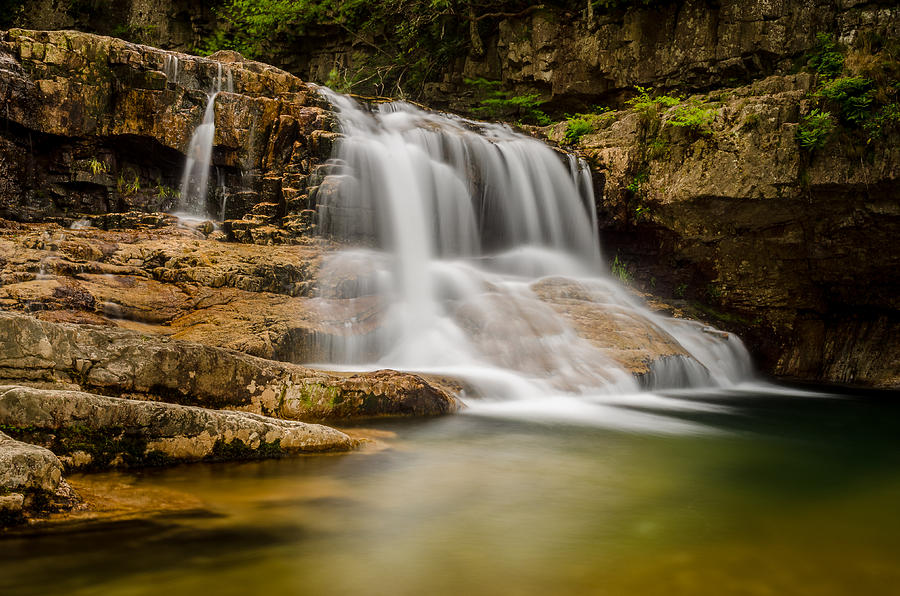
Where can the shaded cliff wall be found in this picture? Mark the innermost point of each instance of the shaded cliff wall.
(570, 60)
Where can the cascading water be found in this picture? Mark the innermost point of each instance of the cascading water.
(477, 256)
(195, 180)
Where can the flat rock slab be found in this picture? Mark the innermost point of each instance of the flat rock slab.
(95, 431)
(125, 363)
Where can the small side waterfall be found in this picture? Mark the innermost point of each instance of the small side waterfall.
(195, 180)
(478, 257)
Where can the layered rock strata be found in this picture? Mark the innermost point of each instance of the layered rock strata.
(98, 125)
(126, 363)
(94, 431)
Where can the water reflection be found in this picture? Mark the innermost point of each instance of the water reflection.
(780, 494)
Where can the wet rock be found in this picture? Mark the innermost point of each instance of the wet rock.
(632, 341)
(26, 468)
(126, 363)
(94, 431)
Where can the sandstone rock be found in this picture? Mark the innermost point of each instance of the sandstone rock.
(97, 431)
(126, 363)
(631, 341)
(109, 122)
(27, 468)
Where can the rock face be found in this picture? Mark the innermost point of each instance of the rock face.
(126, 363)
(783, 246)
(94, 431)
(27, 468)
(168, 280)
(688, 45)
(569, 57)
(99, 125)
(30, 476)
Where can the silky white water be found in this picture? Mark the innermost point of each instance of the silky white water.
(468, 243)
(192, 203)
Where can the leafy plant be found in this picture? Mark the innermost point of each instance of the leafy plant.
(576, 128)
(167, 192)
(658, 148)
(826, 60)
(579, 125)
(620, 271)
(888, 117)
(495, 102)
(853, 96)
(647, 105)
(681, 290)
(637, 182)
(406, 42)
(128, 188)
(97, 166)
(694, 116)
(814, 130)
(641, 212)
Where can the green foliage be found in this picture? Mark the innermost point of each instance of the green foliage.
(826, 59)
(648, 105)
(852, 95)
(658, 148)
(167, 192)
(576, 128)
(579, 125)
(128, 188)
(884, 120)
(637, 182)
(814, 130)
(495, 102)
(620, 271)
(406, 41)
(681, 290)
(694, 116)
(97, 166)
(641, 212)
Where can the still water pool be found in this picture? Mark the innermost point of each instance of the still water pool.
(740, 492)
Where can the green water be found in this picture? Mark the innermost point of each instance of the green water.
(753, 494)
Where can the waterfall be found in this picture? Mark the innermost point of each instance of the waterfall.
(170, 69)
(195, 180)
(475, 253)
